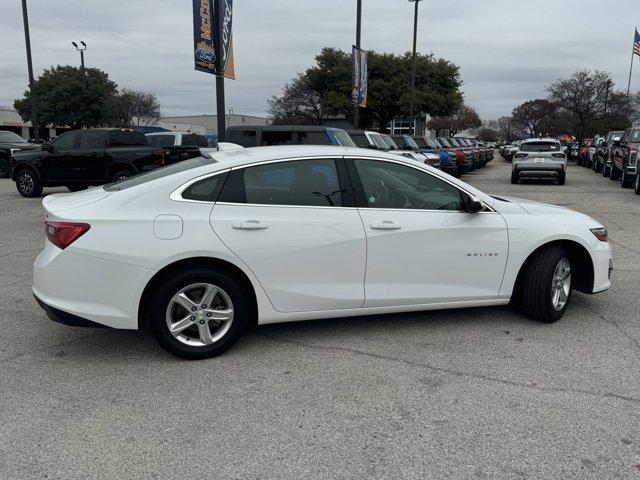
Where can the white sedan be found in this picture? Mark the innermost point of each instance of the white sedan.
(204, 249)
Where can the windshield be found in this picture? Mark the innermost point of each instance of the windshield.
(158, 173)
(390, 143)
(377, 139)
(410, 142)
(540, 147)
(10, 137)
(421, 142)
(343, 138)
(444, 142)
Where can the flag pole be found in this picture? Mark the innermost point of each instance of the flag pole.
(631, 67)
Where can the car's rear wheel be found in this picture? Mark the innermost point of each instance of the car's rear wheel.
(28, 183)
(76, 187)
(613, 175)
(121, 175)
(606, 170)
(547, 284)
(4, 168)
(199, 313)
(562, 177)
(579, 161)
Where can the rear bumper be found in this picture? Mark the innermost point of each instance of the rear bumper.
(534, 173)
(66, 318)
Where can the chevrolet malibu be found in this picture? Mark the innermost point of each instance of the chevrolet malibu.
(205, 249)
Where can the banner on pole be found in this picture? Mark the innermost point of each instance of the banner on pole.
(360, 77)
(204, 35)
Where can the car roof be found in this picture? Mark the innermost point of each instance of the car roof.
(283, 128)
(531, 140)
(172, 133)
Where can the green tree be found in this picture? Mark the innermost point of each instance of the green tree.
(488, 134)
(73, 97)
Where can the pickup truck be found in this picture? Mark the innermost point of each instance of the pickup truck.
(11, 143)
(80, 158)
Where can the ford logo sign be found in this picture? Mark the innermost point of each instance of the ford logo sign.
(205, 55)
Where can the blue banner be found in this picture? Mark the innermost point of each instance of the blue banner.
(204, 35)
(360, 77)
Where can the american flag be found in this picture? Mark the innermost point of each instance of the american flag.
(636, 44)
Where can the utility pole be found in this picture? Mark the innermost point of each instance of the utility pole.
(219, 51)
(413, 67)
(32, 83)
(356, 108)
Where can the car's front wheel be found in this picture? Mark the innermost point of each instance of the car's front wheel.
(547, 284)
(636, 184)
(4, 168)
(625, 181)
(514, 177)
(199, 313)
(28, 183)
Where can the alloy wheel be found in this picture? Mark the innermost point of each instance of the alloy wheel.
(25, 183)
(561, 284)
(199, 314)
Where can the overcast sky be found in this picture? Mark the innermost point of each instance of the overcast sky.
(508, 50)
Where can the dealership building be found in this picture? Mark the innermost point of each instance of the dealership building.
(10, 120)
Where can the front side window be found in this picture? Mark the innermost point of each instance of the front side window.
(64, 142)
(300, 182)
(392, 185)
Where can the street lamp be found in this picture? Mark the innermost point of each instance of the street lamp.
(413, 67)
(81, 49)
(32, 83)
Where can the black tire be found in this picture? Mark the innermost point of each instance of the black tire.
(4, 168)
(598, 167)
(28, 183)
(77, 187)
(181, 279)
(614, 174)
(625, 181)
(579, 161)
(121, 175)
(606, 171)
(514, 177)
(537, 284)
(636, 185)
(562, 177)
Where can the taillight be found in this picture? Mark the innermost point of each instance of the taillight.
(557, 155)
(63, 234)
(160, 162)
(521, 155)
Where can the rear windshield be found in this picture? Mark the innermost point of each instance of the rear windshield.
(540, 147)
(158, 173)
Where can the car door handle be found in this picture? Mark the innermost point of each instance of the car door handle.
(386, 225)
(249, 225)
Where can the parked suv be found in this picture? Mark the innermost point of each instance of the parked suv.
(539, 158)
(624, 157)
(266, 135)
(80, 158)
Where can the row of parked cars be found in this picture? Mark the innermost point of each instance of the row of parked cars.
(615, 155)
(82, 158)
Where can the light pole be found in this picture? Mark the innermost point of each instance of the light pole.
(32, 83)
(413, 67)
(356, 108)
(81, 49)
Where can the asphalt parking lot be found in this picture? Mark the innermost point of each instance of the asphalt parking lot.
(481, 393)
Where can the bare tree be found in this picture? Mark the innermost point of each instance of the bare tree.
(532, 115)
(509, 130)
(138, 108)
(462, 119)
(299, 104)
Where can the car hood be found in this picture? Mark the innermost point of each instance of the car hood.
(21, 146)
(65, 201)
(536, 208)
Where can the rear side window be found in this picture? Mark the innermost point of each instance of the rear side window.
(312, 138)
(206, 190)
(246, 138)
(275, 137)
(190, 140)
(161, 140)
(300, 182)
(92, 140)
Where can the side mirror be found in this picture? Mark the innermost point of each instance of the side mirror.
(474, 205)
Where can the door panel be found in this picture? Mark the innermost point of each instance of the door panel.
(432, 257)
(306, 258)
